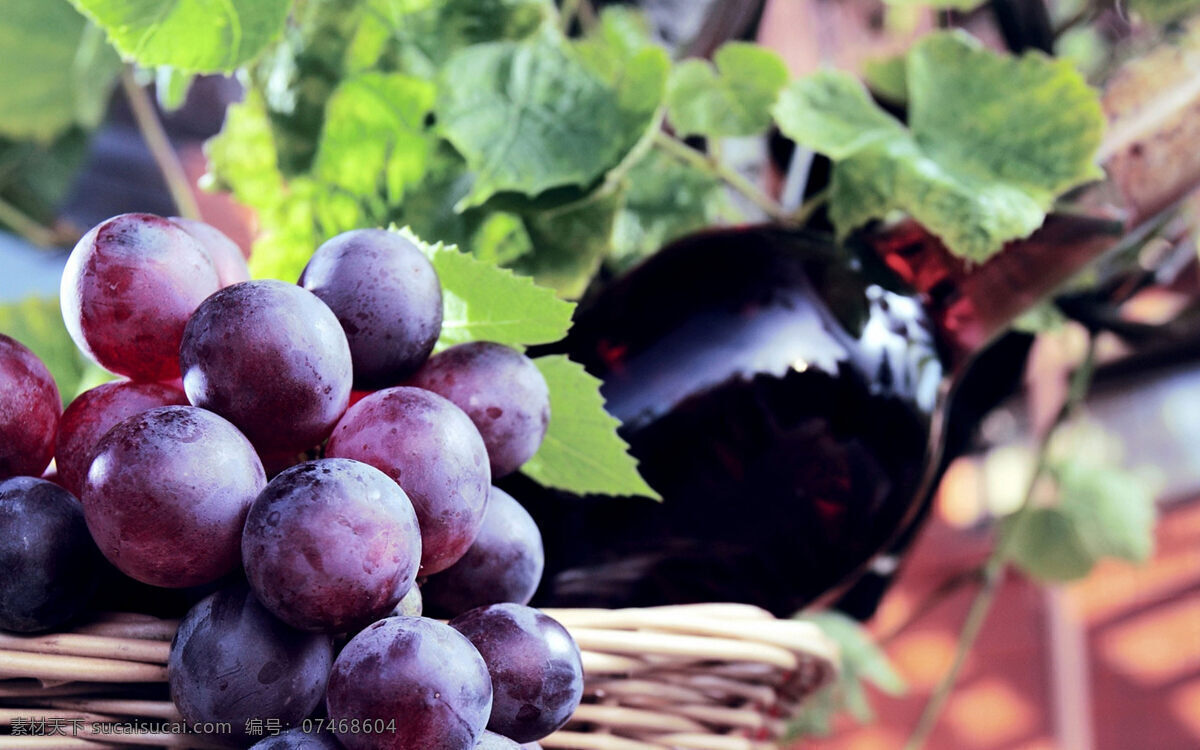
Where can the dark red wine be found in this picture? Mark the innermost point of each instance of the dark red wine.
(779, 400)
(786, 396)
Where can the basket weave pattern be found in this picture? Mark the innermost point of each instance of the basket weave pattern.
(700, 677)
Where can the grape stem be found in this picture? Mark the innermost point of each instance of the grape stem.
(994, 569)
(156, 140)
(734, 179)
(26, 226)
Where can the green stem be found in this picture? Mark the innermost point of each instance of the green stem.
(805, 210)
(690, 156)
(994, 568)
(160, 147)
(27, 227)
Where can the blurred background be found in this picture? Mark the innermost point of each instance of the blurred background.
(1109, 663)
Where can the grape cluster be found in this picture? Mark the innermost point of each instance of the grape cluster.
(298, 456)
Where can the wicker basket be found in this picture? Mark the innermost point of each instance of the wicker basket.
(702, 677)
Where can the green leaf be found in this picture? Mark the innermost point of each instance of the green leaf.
(374, 142)
(664, 200)
(171, 87)
(862, 662)
(1112, 508)
(991, 142)
(37, 323)
(570, 242)
(1162, 11)
(621, 33)
(35, 177)
(58, 71)
(1045, 543)
(500, 239)
(297, 76)
(487, 303)
(425, 34)
(887, 77)
(734, 99)
(831, 112)
(529, 116)
(197, 36)
(582, 452)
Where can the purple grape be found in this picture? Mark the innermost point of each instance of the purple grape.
(167, 494)
(502, 391)
(503, 565)
(420, 673)
(298, 739)
(412, 605)
(94, 413)
(50, 565)
(128, 289)
(493, 741)
(231, 661)
(536, 669)
(387, 297)
(429, 446)
(29, 411)
(331, 545)
(226, 256)
(271, 358)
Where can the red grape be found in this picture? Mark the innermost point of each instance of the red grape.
(94, 413)
(271, 358)
(502, 391)
(167, 494)
(387, 296)
(419, 673)
(51, 567)
(493, 741)
(127, 292)
(429, 446)
(503, 565)
(331, 545)
(298, 739)
(226, 256)
(231, 661)
(536, 669)
(29, 411)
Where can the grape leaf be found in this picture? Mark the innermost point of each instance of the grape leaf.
(1112, 508)
(373, 143)
(58, 71)
(887, 77)
(734, 99)
(171, 87)
(1161, 11)
(1102, 510)
(500, 239)
(35, 176)
(529, 116)
(430, 32)
(664, 200)
(1045, 543)
(570, 242)
(582, 452)
(991, 142)
(196, 36)
(862, 662)
(487, 303)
